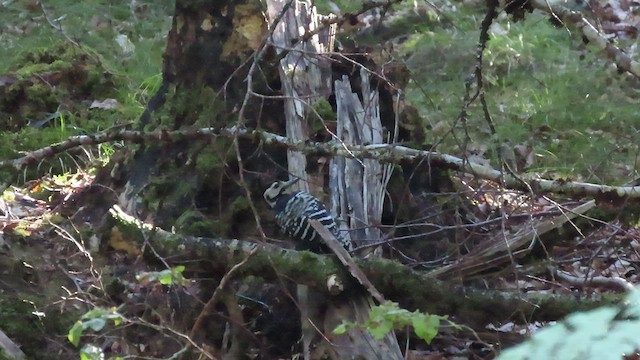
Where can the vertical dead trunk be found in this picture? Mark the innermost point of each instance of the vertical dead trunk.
(305, 72)
(358, 195)
(306, 77)
(359, 184)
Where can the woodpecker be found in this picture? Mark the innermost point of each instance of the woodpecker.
(293, 212)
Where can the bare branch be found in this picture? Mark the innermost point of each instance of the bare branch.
(614, 283)
(217, 295)
(386, 153)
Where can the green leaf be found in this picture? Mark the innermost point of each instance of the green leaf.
(95, 324)
(165, 277)
(95, 313)
(380, 329)
(91, 352)
(75, 333)
(117, 321)
(603, 333)
(340, 329)
(426, 326)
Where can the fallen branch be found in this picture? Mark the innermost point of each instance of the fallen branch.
(9, 349)
(613, 283)
(411, 288)
(217, 296)
(385, 153)
(505, 247)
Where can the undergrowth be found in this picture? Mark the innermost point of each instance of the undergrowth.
(543, 87)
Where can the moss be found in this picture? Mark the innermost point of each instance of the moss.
(195, 223)
(198, 106)
(249, 29)
(46, 102)
(322, 112)
(210, 159)
(30, 331)
(239, 206)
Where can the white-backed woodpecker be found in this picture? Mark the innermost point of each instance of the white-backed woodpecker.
(294, 209)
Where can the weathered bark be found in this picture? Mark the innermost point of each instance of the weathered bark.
(9, 349)
(358, 195)
(360, 183)
(305, 73)
(305, 77)
(204, 49)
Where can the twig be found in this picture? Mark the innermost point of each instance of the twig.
(160, 328)
(616, 283)
(217, 294)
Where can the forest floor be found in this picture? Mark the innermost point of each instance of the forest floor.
(560, 108)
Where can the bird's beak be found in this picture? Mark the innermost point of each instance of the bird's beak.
(290, 182)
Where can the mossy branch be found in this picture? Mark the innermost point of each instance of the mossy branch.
(412, 289)
(385, 153)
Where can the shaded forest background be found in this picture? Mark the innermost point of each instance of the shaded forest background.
(554, 106)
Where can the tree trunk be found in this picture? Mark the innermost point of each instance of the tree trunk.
(204, 84)
(305, 72)
(204, 49)
(192, 186)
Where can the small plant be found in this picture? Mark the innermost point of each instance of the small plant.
(389, 316)
(171, 276)
(95, 320)
(106, 150)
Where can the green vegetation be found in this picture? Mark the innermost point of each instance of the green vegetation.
(389, 316)
(23, 318)
(543, 88)
(595, 334)
(65, 55)
(95, 319)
